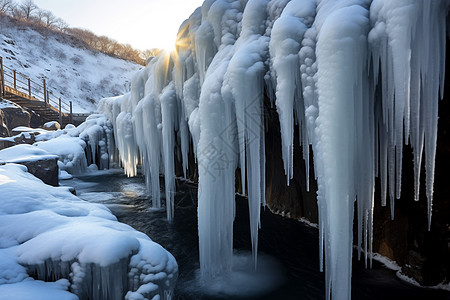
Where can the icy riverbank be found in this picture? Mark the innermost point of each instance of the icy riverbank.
(53, 245)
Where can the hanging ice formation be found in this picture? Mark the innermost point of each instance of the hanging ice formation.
(360, 78)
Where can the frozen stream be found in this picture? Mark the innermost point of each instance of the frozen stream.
(288, 266)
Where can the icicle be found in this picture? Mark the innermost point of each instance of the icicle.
(168, 110)
(342, 32)
(287, 34)
(216, 164)
(247, 91)
(417, 29)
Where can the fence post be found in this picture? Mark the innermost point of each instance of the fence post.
(29, 87)
(2, 91)
(45, 92)
(71, 115)
(15, 80)
(60, 113)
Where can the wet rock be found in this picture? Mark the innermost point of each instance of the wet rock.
(16, 116)
(4, 132)
(36, 120)
(53, 125)
(46, 170)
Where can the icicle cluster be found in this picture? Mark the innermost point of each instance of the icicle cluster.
(359, 78)
(91, 143)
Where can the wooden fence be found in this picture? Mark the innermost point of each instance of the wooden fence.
(22, 86)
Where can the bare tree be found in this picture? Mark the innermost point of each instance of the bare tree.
(16, 13)
(150, 52)
(40, 15)
(116, 49)
(6, 6)
(104, 43)
(61, 25)
(27, 8)
(49, 18)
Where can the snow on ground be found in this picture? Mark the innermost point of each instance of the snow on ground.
(74, 74)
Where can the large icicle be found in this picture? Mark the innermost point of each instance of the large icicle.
(244, 84)
(216, 166)
(341, 56)
(287, 35)
(217, 148)
(169, 110)
(408, 40)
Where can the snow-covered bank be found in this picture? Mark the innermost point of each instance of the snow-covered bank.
(47, 234)
(334, 69)
(72, 72)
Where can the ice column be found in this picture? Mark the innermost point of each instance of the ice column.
(341, 57)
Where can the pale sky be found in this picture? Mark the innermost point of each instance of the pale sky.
(143, 24)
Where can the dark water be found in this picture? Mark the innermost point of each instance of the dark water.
(288, 265)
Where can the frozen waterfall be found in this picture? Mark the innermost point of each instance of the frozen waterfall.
(359, 78)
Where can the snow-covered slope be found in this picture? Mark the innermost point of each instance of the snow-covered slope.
(72, 73)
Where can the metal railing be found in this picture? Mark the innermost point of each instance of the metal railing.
(23, 86)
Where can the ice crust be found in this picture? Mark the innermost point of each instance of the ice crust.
(359, 78)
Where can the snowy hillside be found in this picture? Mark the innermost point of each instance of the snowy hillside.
(72, 73)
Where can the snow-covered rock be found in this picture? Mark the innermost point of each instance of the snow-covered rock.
(52, 125)
(39, 162)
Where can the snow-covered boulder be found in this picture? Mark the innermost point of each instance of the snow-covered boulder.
(39, 162)
(52, 125)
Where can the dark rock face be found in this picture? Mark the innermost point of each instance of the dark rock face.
(422, 254)
(293, 200)
(36, 120)
(4, 132)
(15, 117)
(46, 170)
